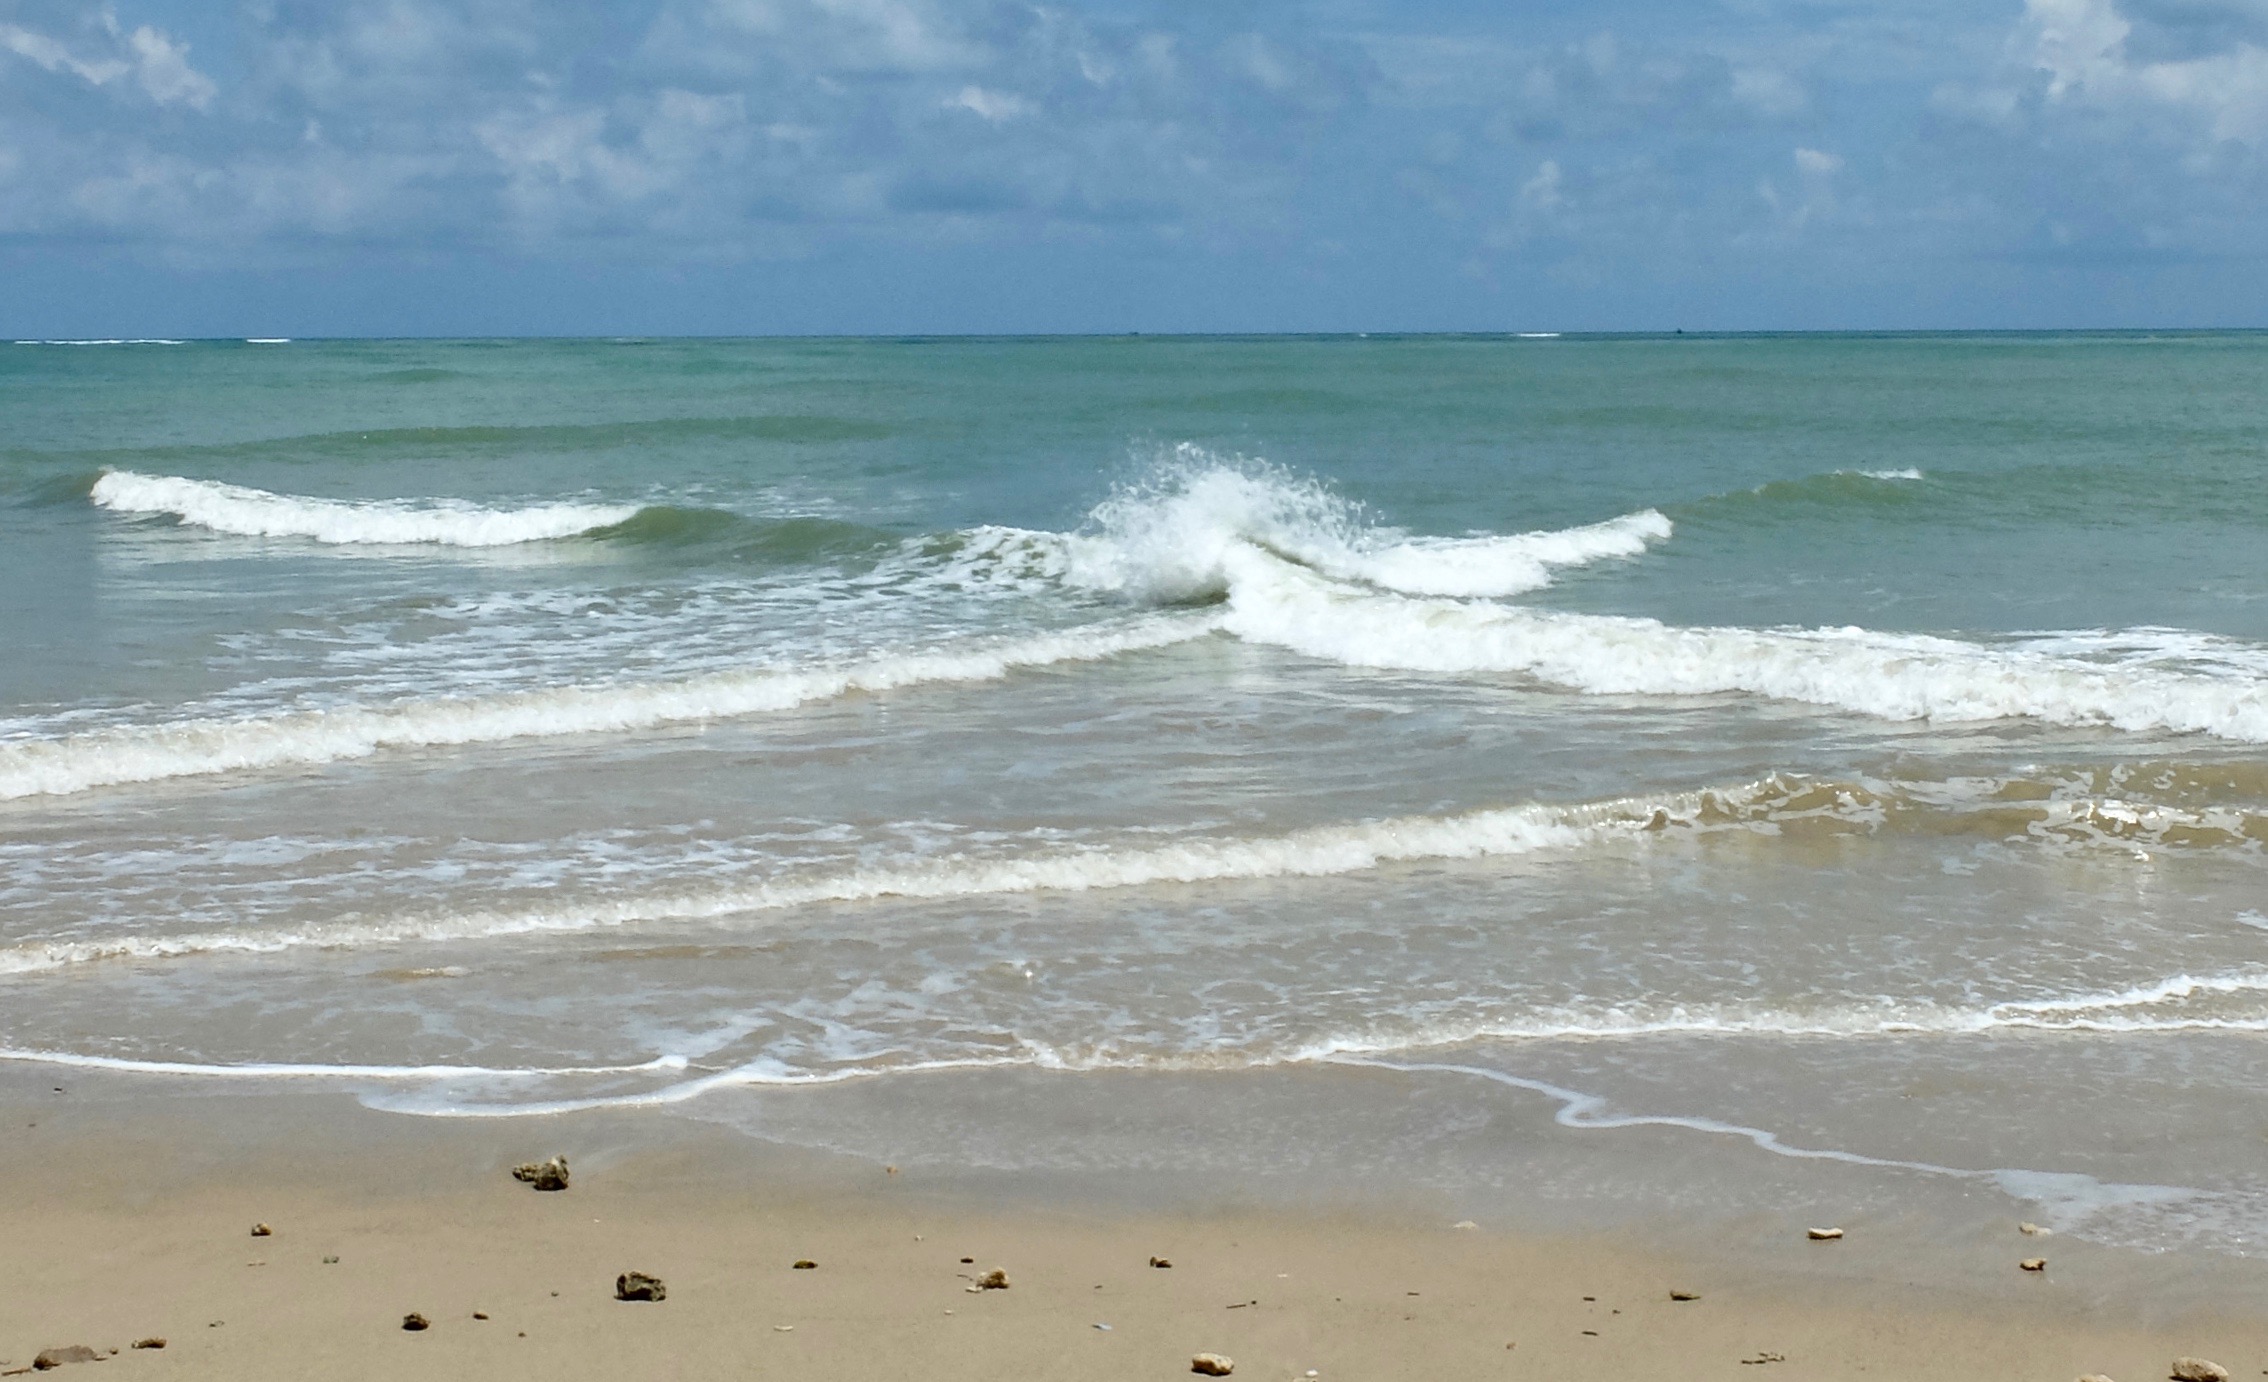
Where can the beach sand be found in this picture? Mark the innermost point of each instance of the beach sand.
(123, 1221)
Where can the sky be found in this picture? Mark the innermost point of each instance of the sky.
(454, 167)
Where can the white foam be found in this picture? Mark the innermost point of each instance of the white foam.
(291, 1070)
(249, 512)
(1891, 676)
(1320, 851)
(97, 758)
(1907, 473)
(1173, 537)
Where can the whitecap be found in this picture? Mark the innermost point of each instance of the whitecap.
(246, 512)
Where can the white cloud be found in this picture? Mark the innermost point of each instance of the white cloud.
(995, 106)
(1769, 91)
(159, 64)
(52, 55)
(2084, 47)
(1543, 191)
(162, 67)
(1815, 163)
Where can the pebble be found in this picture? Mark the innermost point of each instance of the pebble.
(2034, 1230)
(154, 1341)
(543, 1175)
(2033, 1264)
(2198, 1370)
(805, 1264)
(69, 1353)
(261, 1230)
(1161, 1261)
(1212, 1364)
(413, 1322)
(639, 1286)
(1823, 1235)
(994, 1280)
(1685, 1295)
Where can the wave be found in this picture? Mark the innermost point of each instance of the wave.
(247, 512)
(1808, 499)
(1888, 676)
(2163, 806)
(301, 1070)
(1171, 537)
(1778, 805)
(1317, 852)
(493, 439)
(784, 541)
(151, 753)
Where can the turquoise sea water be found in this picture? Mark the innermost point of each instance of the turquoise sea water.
(1856, 741)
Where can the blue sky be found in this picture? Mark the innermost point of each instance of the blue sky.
(724, 166)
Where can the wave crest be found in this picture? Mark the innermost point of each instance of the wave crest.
(1173, 538)
(247, 512)
(1885, 675)
(152, 753)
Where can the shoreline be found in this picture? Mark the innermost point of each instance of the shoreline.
(131, 1218)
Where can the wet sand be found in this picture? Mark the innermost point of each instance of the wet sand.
(124, 1222)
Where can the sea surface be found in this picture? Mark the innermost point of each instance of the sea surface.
(1775, 751)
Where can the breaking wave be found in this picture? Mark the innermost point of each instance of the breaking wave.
(2058, 811)
(151, 753)
(1316, 852)
(1889, 676)
(1173, 538)
(246, 512)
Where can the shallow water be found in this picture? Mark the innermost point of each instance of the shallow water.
(1843, 745)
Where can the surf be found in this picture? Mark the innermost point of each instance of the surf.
(192, 748)
(242, 511)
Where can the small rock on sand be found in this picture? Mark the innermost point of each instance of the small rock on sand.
(994, 1280)
(1161, 1261)
(2032, 1230)
(1685, 1295)
(2033, 1264)
(261, 1230)
(2198, 1370)
(1822, 1235)
(543, 1175)
(805, 1264)
(1212, 1364)
(413, 1322)
(70, 1353)
(154, 1341)
(639, 1286)
(1464, 1223)
(2094, 1377)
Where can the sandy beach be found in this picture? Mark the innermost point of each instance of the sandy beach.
(128, 1225)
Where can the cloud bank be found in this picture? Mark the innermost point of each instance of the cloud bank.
(1342, 165)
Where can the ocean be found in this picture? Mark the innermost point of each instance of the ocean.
(1642, 773)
